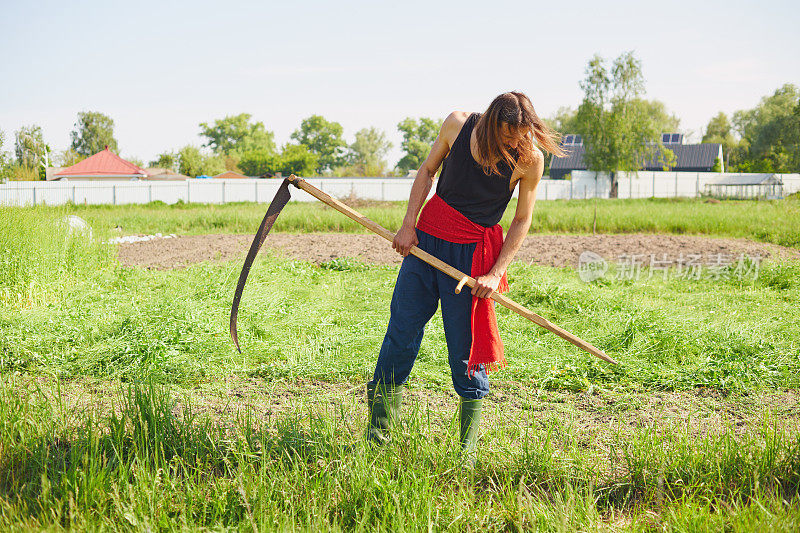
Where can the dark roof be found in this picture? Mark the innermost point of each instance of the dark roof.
(572, 161)
(687, 156)
(695, 155)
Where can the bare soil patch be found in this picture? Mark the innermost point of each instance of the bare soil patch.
(547, 250)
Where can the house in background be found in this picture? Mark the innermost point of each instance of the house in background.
(688, 157)
(104, 165)
(163, 174)
(228, 175)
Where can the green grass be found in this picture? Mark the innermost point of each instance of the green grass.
(146, 454)
(154, 464)
(39, 255)
(775, 221)
(302, 320)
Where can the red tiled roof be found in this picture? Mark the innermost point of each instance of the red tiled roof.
(105, 163)
(229, 174)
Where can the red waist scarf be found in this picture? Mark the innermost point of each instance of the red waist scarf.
(441, 220)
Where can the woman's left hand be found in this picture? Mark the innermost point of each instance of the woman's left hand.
(485, 285)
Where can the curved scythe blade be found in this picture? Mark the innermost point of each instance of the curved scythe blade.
(278, 203)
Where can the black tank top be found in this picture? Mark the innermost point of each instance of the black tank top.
(467, 188)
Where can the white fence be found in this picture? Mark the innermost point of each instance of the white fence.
(218, 191)
(588, 184)
(584, 184)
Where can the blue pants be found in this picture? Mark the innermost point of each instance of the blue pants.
(416, 296)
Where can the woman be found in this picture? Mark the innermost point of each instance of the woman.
(487, 156)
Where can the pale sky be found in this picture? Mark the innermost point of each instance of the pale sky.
(160, 68)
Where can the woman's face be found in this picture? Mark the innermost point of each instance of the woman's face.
(511, 136)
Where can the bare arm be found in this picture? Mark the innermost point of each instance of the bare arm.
(531, 175)
(406, 236)
(419, 192)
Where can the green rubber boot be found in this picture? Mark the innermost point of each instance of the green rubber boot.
(383, 402)
(470, 416)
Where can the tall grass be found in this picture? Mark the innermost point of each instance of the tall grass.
(775, 221)
(39, 253)
(152, 463)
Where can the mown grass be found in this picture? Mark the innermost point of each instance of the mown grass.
(302, 320)
(69, 312)
(775, 221)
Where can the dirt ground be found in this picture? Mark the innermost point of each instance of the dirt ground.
(547, 250)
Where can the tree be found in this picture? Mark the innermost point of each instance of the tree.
(32, 153)
(259, 162)
(297, 159)
(235, 134)
(294, 159)
(231, 161)
(93, 132)
(5, 160)
(192, 162)
(418, 137)
(618, 126)
(564, 120)
(720, 131)
(69, 157)
(770, 133)
(368, 151)
(779, 104)
(30, 149)
(167, 160)
(324, 139)
(657, 112)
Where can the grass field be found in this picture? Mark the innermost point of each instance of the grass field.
(775, 221)
(124, 406)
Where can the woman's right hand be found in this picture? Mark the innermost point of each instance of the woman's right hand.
(405, 238)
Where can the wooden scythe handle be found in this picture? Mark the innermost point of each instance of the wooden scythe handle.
(449, 270)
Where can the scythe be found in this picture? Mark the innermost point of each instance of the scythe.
(283, 196)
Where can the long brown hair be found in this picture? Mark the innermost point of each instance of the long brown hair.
(516, 110)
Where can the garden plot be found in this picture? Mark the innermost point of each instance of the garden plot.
(545, 250)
